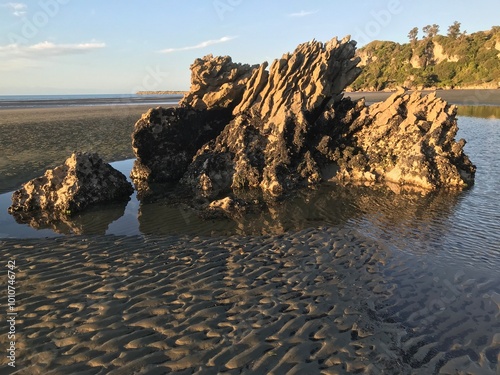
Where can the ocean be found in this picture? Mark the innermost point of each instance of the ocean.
(54, 101)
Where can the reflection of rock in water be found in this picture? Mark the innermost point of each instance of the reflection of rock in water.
(402, 215)
(162, 218)
(95, 220)
(420, 224)
(482, 111)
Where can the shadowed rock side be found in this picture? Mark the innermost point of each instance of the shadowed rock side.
(289, 126)
(166, 139)
(82, 181)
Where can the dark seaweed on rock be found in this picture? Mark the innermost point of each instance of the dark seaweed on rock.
(166, 139)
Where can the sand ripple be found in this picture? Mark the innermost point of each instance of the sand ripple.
(320, 301)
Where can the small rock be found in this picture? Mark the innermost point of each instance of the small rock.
(227, 206)
(83, 180)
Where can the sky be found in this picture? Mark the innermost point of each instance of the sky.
(124, 46)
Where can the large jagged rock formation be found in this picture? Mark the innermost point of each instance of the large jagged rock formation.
(266, 144)
(83, 180)
(289, 126)
(310, 79)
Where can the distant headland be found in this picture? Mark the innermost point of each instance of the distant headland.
(168, 92)
(454, 61)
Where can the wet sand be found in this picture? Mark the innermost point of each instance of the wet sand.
(317, 301)
(324, 300)
(34, 139)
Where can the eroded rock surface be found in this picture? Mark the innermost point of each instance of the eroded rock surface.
(407, 140)
(305, 81)
(83, 180)
(217, 82)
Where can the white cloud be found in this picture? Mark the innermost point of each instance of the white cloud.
(49, 49)
(204, 44)
(17, 9)
(302, 13)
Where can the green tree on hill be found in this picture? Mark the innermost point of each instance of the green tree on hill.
(430, 30)
(454, 30)
(412, 35)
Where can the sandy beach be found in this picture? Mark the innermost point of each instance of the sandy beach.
(34, 139)
(317, 301)
(324, 300)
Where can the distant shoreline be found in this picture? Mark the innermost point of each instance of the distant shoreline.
(460, 97)
(161, 92)
(70, 102)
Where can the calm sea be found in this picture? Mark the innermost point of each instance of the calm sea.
(51, 101)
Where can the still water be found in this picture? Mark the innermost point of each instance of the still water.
(459, 227)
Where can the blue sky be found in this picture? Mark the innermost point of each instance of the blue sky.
(112, 46)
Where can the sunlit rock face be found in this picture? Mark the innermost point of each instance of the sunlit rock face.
(407, 140)
(217, 82)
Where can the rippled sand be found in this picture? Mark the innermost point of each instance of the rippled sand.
(316, 301)
(319, 301)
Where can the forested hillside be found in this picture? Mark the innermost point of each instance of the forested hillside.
(457, 60)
